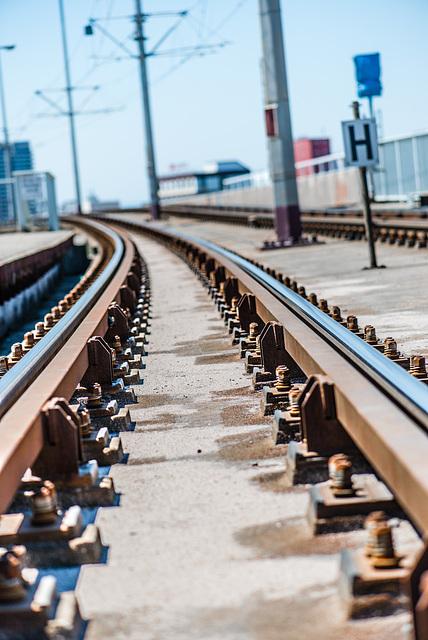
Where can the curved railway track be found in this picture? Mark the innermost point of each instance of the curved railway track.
(335, 393)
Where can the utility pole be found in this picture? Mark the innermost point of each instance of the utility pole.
(7, 158)
(151, 166)
(69, 90)
(366, 202)
(278, 124)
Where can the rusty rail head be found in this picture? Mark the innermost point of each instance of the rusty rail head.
(66, 360)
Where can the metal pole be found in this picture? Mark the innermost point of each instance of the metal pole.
(280, 139)
(151, 166)
(7, 158)
(366, 202)
(370, 173)
(69, 90)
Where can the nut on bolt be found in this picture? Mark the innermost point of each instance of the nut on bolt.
(44, 505)
(293, 398)
(28, 342)
(56, 315)
(323, 305)
(390, 350)
(94, 396)
(380, 544)
(4, 365)
(282, 383)
(336, 314)
(418, 367)
(340, 473)
(16, 354)
(39, 331)
(352, 324)
(253, 330)
(12, 584)
(85, 418)
(370, 334)
(48, 322)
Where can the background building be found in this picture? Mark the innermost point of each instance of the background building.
(21, 159)
(206, 181)
(307, 149)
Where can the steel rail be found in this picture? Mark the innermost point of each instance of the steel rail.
(66, 360)
(384, 410)
(19, 378)
(412, 221)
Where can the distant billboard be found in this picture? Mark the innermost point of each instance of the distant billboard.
(367, 69)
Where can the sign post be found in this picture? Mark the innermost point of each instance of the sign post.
(361, 150)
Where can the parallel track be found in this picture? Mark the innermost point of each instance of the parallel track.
(392, 226)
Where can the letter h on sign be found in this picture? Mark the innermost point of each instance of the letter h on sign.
(359, 138)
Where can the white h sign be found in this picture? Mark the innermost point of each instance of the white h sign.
(360, 142)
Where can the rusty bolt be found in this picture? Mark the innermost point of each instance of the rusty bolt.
(390, 350)
(253, 330)
(44, 505)
(11, 581)
(302, 292)
(4, 365)
(85, 422)
(418, 367)
(234, 304)
(340, 472)
(336, 314)
(28, 342)
(56, 314)
(313, 299)
(39, 331)
(63, 307)
(370, 334)
(352, 323)
(323, 305)
(49, 322)
(16, 354)
(69, 300)
(85, 418)
(282, 383)
(294, 287)
(293, 397)
(94, 396)
(380, 544)
(116, 344)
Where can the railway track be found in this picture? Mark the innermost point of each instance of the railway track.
(393, 226)
(330, 389)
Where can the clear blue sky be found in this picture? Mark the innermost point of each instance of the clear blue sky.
(210, 107)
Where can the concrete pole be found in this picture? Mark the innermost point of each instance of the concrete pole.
(151, 166)
(280, 140)
(69, 90)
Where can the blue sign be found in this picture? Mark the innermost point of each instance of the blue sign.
(367, 69)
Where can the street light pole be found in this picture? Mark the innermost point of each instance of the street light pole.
(69, 90)
(151, 166)
(7, 158)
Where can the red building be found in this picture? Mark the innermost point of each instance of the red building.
(307, 149)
